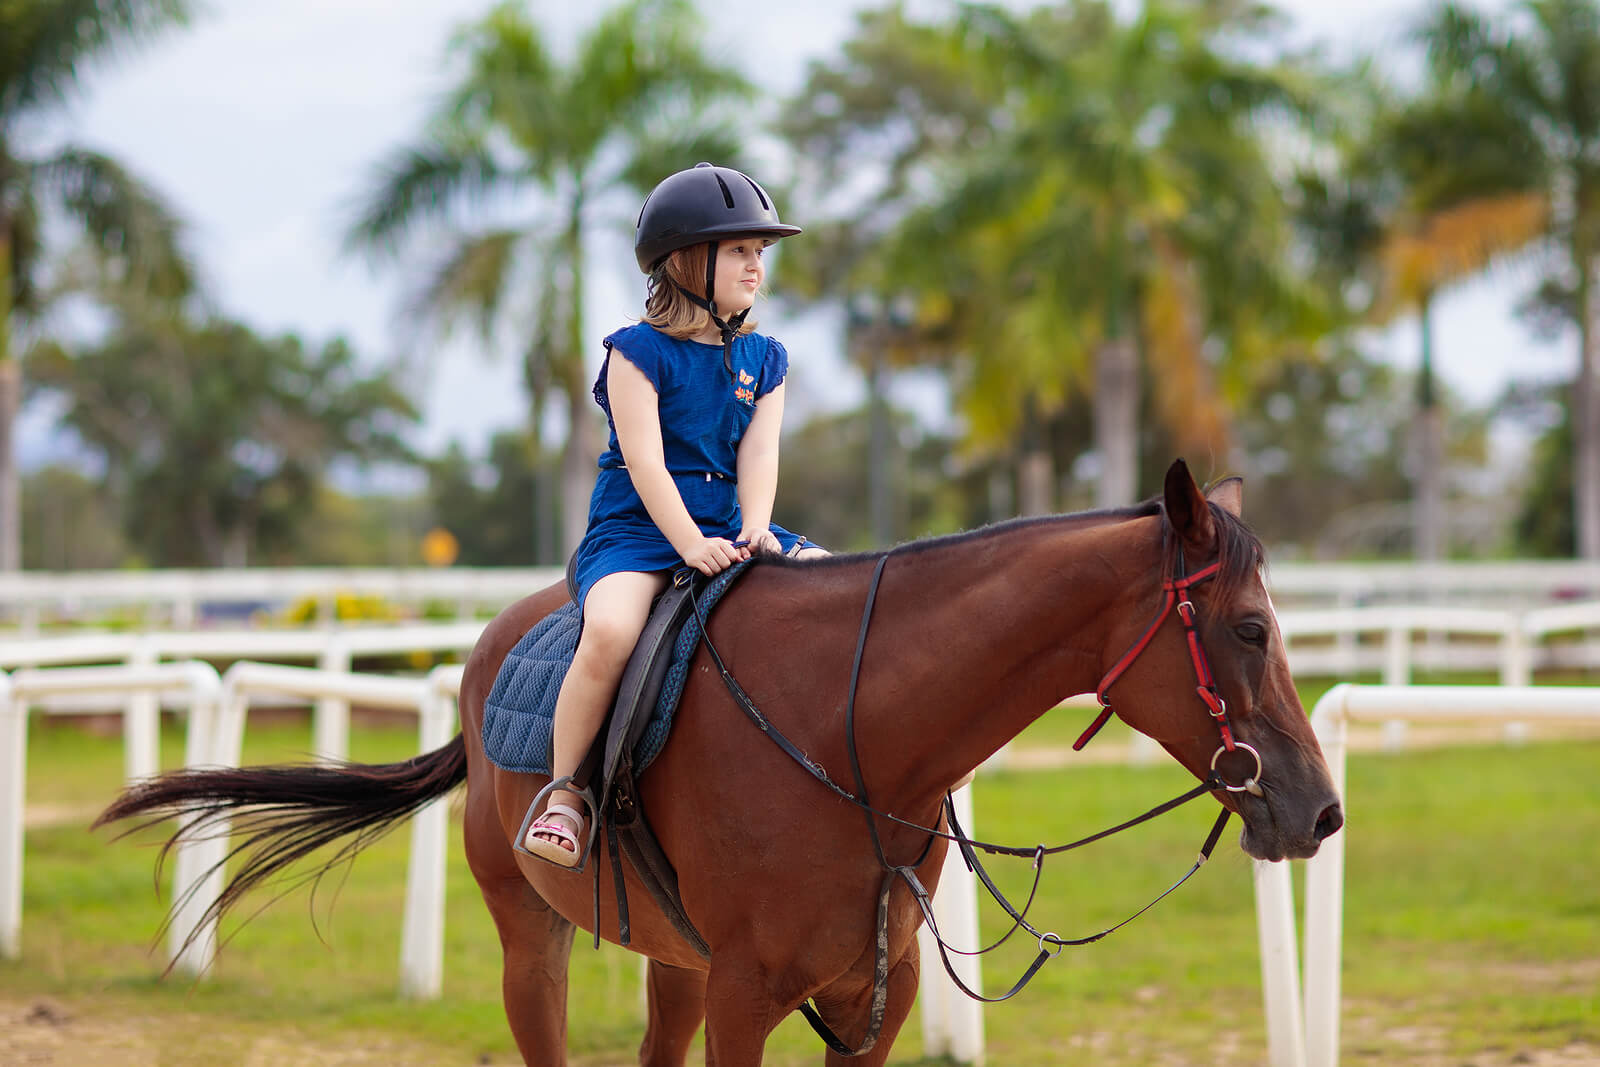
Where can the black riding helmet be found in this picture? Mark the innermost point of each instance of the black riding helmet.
(705, 203)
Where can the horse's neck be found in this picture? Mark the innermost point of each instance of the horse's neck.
(988, 634)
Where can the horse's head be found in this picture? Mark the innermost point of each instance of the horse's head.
(1250, 709)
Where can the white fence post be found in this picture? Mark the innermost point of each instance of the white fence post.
(1280, 969)
(1325, 896)
(330, 721)
(952, 1022)
(422, 936)
(1396, 671)
(13, 795)
(198, 679)
(141, 721)
(193, 889)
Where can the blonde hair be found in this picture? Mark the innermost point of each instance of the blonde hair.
(665, 306)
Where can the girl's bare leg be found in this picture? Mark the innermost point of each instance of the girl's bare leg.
(614, 614)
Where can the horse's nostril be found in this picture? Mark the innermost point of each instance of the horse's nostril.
(1329, 821)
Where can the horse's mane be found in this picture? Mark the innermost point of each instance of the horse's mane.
(1239, 549)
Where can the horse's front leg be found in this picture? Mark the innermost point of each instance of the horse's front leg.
(743, 1005)
(677, 998)
(852, 1010)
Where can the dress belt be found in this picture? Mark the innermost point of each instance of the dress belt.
(680, 474)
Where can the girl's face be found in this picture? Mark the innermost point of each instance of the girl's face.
(740, 273)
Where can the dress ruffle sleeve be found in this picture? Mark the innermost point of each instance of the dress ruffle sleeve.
(774, 368)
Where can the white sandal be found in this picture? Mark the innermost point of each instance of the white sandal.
(557, 852)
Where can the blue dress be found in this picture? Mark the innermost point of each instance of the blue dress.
(704, 414)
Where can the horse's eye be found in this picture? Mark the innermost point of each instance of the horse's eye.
(1252, 633)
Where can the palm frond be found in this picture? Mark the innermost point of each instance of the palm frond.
(511, 85)
(661, 150)
(421, 185)
(642, 69)
(126, 221)
(46, 43)
(468, 284)
(1454, 244)
(25, 247)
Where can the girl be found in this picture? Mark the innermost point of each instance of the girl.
(695, 403)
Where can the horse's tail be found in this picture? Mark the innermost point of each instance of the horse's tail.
(282, 813)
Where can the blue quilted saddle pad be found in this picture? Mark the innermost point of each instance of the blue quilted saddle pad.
(519, 715)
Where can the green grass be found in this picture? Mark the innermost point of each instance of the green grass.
(1472, 924)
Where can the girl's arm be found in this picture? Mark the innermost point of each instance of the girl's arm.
(757, 465)
(638, 422)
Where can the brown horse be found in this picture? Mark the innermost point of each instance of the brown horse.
(973, 637)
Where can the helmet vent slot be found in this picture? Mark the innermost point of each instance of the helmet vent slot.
(727, 194)
(759, 194)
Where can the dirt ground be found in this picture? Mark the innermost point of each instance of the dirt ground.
(44, 1031)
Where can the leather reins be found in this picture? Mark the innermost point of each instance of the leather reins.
(1050, 944)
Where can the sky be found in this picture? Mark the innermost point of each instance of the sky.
(263, 122)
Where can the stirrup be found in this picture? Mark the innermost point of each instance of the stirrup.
(583, 849)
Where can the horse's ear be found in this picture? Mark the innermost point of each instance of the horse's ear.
(1187, 510)
(1228, 495)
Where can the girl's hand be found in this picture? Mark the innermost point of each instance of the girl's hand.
(713, 555)
(761, 539)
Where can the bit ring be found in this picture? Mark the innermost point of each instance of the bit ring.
(1252, 784)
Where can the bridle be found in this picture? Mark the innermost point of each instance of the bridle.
(1050, 944)
(1177, 587)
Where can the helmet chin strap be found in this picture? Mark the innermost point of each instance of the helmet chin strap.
(729, 328)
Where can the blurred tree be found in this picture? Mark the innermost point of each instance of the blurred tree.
(214, 440)
(1322, 442)
(1069, 192)
(344, 529)
(44, 45)
(1433, 191)
(520, 128)
(482, 504)
(822, 497)
(1541, 65)
(70, 523)
(1544, 522)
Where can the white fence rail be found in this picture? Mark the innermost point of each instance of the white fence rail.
(218, 708)
(183, 598)
(1323, 643)
(1312, 1040)
(196, 683)
(1512, 584)
(332, 650)
(1392, 641)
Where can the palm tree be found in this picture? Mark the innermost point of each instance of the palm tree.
(1100, 192)
(523, 132)
(1432, 192)
(44, 44)
(1542, 66)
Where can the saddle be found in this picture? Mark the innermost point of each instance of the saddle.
(606, 778)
